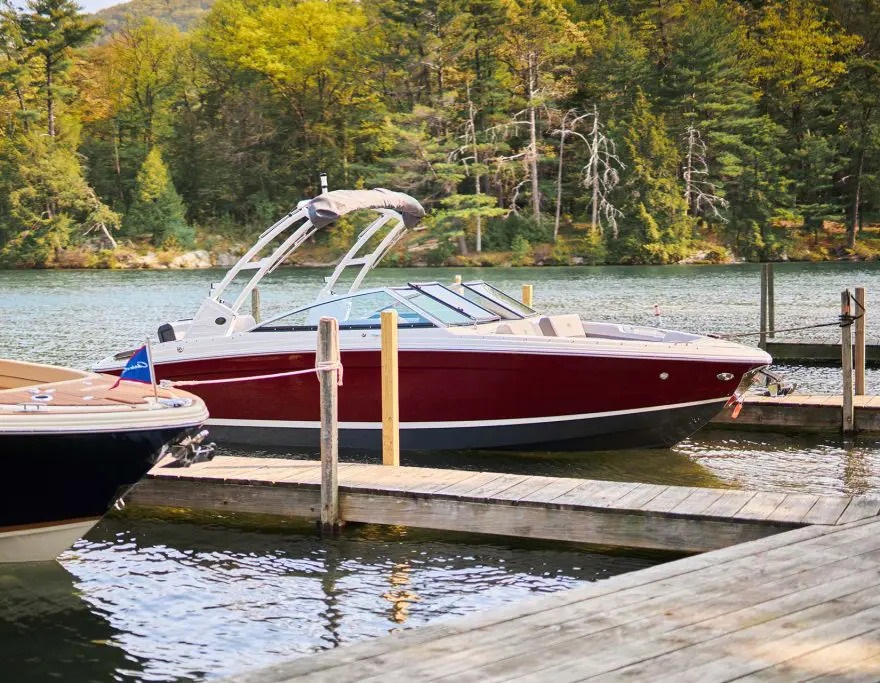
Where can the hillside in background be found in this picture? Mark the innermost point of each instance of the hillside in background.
(182, 13)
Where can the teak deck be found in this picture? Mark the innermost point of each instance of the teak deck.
(674, 518)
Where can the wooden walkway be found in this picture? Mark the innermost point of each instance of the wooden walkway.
(624, 514)
(819, 353)
(803, 605)
(802, 412)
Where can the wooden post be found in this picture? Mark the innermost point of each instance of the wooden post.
(846, 362)
(390, 398)
(327, 361)
(255, 303)
(859, 349)
(457, 280)
(527, 295)
(762, 329)
(771, 305)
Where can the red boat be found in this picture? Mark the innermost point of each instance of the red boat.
(478, 369)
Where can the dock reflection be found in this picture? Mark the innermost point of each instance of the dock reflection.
(189, 600)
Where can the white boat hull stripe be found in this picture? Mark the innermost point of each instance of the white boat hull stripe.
(315, 424)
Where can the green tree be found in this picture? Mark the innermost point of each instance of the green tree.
(50, 30)
(798, 53)
(538, 38)
(50, 205)
(859, 112)
(157, 211)
(655, 226)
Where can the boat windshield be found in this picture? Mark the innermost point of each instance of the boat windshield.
(445, 305)
(484, 289)
(498, 308)
(357, 312)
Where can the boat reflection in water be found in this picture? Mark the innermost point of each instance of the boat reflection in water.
(172, 601)
(49, 632)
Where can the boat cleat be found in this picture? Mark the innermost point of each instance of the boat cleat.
(191, 450)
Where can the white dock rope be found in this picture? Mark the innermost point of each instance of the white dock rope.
(319, 367)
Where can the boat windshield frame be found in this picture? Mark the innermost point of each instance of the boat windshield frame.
(501, 298)
(449, 315)
(450, 299)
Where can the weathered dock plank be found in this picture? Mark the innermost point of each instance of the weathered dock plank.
(801, 413)
(801, 605)
(673, 518)
(820, 353)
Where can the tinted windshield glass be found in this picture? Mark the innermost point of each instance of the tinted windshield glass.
(361, 311)
(499, 309)
(433, 297)
(485, 289)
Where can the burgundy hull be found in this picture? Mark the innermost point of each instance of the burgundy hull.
(470, 399)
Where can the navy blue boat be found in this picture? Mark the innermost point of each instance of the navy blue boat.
(71, 443)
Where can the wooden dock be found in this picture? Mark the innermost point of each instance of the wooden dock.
(789, 590)
(625, 514)
(802, 412)
(803, 605)
(805, 353)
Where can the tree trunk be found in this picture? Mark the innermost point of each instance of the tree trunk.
(472, 130)
(50, 100)
(533, 141)
(559, 182)
(688, 171)
(856, 217)
(594, 160)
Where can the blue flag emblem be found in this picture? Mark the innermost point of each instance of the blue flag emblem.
(137, 369)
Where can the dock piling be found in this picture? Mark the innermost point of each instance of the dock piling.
(859, 349)
(771, 304)
(390, 391)
(846, 363)
(328, 368)
(527, 292)
(762, 327)
(255, 303)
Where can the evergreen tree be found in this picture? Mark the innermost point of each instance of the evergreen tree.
(50, 205)
(655, 226)
(51, 30)
(157, 211)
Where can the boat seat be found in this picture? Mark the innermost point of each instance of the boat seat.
(243, 322)
(568, 325)
(520, 327)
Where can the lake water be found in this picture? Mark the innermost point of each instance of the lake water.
(143, 599)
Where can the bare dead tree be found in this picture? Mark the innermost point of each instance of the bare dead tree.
(533, 137)
(601, 175)
(569, 120)
(699, 193)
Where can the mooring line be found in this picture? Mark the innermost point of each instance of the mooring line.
(319, 367)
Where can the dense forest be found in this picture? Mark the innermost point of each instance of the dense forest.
(626, 131)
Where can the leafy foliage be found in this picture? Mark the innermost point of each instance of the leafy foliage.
(733, 122)
(157, 211)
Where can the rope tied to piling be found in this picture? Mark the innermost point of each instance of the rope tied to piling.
(321, 366)
(842, 321)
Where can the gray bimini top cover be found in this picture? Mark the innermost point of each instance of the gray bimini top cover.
(326, 208)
